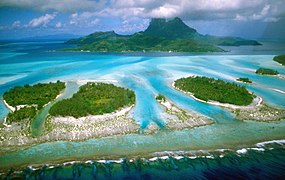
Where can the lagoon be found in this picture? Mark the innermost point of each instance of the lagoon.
(147, 74)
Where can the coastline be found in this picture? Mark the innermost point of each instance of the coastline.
(11, 108)
(257, 110)
(153, 157)
(71, 129)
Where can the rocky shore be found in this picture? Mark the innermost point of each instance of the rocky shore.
(70, 128)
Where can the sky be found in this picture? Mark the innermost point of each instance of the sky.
(254, 19)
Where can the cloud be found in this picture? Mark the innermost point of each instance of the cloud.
(86, 19)
(58, 25)
(55, 5)
(16, 24)
(42, 20)
(262, 10)
(132, 25)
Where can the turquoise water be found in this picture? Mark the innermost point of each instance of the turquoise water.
(38, 121)
(148, 75)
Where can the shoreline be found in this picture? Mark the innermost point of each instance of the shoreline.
(151, 156)
(11, 108)
(71, 129)
(257, 110)
(178, 119)
(255, 102)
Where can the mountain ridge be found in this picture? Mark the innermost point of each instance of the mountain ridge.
(161, 35)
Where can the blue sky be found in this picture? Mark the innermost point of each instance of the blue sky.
(244, 18)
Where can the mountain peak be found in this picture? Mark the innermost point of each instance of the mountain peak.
(169, 28)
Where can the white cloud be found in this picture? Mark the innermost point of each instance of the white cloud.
(199, 10)
(61, 6)
(58, 25)
(16, 24)
(95, 21)
(133, 25)
(86, 11)
(86, 19)
(42, 20)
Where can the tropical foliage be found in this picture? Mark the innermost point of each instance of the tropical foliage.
(94, 99)
(246, 80)
(21, 114)
(160, 97)
(161, 35)
(39, 94)
(205, 88)
(266, 71)
(280, 59)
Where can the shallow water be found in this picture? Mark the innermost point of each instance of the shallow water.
(148, 75)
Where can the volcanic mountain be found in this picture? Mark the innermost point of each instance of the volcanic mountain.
(161, 35)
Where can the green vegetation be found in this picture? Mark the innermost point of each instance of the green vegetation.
(217, 90)
(21, 114)
(161, 35)
(266, 71)
(39, 94)
(280, 59)
(34, 97)
(246, 80)
(142, 42)
(94, 99)
(160, 97)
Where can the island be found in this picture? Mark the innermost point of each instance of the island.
(24, 102)
(163, 35)
(206, 89)
(266, 71)
(280, 59)
(245, 105)
(94, 99)
(95, 110)
(245, 80)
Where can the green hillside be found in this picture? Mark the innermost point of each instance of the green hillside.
(161, 35)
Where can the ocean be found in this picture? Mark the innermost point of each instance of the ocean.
(186, 154)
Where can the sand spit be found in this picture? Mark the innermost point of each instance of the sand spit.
(178, 118)
(257, 110)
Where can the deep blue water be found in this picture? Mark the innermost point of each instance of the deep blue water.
(149, 74)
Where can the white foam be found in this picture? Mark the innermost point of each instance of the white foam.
(257, 149)
(210, 157)
(71, 162)
(118, 161)
(164, 157)
(102, 161)
(32, 168)
(242, 151)
(153, 159)
(178, 157)
(192, 157)
(50, 167)
(88, 162)
(261, 144)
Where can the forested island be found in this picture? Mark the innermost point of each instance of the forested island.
(266, 71)
(206, 89)
(26, 101)
(280, 59)
(94, 99)
(161, 35)
(245, 80)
